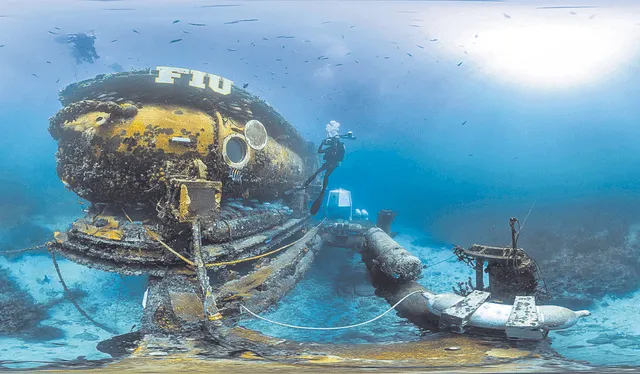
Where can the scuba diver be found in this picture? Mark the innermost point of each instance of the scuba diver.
(83, 48)
(333, 150)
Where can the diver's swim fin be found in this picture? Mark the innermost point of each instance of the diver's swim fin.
(316, 206)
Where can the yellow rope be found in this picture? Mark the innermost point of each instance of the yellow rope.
(264, 254)
(156, 237)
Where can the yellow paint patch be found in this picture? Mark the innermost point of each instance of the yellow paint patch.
(322, 359)
(185, 202)
(59, 237)
(507, 353)
(250, 356)
(247, 284)
(109, 231)
(91, 120)
(255, 336)
(152, 127)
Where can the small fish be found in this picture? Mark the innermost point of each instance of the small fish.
(241, 20)
(460, 63)
(114, 40)
(53, 33)
(136, 31)
(421, 47)
(44, 280)
(506, 16)
(1, 45)
(268, 241)
(463, 123)
(176, 21)
(414, 25)
(57, 28)
(352, 26)
(186, 32)
(58, 80)
(220, 5)
(410, 55)
(515, 158)
(338, 65)
(284, 37)
(132, 327)
(433, 40)
(197, 24)
(175, 41)
(470, 154)
(48, 62)
(231, 49)
(265, 39)
(278, 59)
(348, 54)
(245, 85)
(325, 22)
(386, 57)
(357, 62)
(35, 75)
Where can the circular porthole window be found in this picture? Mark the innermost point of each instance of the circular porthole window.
(235, 151)
(256, 134)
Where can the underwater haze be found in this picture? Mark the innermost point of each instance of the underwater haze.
(466, 113)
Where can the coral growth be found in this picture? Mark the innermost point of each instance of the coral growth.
(18, 310)
(585, 265)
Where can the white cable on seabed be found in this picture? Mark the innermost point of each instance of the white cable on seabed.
(331, 328)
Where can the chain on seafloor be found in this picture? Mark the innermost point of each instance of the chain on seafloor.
(40, 246)
(331, 328)
(73, 301)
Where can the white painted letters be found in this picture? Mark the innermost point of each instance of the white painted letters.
(197, 79)
(167, 74)
(216, 83)
(219, 84)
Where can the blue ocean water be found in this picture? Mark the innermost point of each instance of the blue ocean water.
(466, 113)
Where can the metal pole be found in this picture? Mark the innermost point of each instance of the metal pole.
(480, 274)
(213, 317)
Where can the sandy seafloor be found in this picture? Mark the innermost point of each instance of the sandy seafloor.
(334, 292)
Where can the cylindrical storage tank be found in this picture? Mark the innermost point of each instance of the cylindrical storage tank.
(389, 256)
(122, 136)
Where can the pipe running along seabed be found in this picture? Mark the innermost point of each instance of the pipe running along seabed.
(249, 350)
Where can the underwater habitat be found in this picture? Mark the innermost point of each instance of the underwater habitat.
(320, 186)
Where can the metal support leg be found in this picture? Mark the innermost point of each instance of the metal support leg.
(479, 274)
(213, 318)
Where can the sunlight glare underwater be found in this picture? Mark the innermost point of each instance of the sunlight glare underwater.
(554, 54)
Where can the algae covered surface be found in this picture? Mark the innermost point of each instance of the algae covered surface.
(464, 114)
